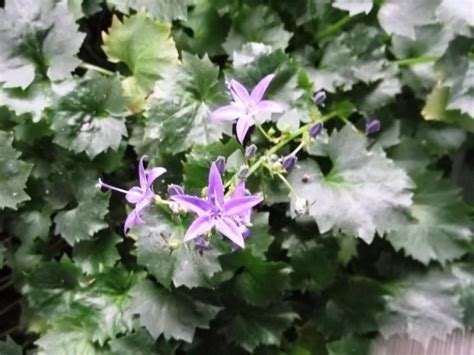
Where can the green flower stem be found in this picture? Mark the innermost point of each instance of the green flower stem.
(280, 145)
(287, 183)
(334, 27)
(298, 148)
(96, 68)
(416, 60)
(264, 133)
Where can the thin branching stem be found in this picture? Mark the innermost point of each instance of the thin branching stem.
(96, 68)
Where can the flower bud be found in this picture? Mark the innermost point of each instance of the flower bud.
(201, 244)
(301, 206)
(315, 130)
(319, 97)
(220, 164)
(243, 172)
(174, 243)
(289, 162)
(175, 190)
(250, 151)
(372, 126)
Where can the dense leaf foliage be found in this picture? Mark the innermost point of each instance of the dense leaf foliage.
(333, 138)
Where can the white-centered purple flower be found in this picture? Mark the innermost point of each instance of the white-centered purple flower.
(246, 107)
(141, 196)
(226, 215)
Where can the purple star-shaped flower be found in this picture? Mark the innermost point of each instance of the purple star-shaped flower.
(246, 107)
(225, 215)
(141, 196)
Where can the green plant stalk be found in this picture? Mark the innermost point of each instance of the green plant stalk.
(334, 27)
(264, 133)
(287, 184)
(417, 60)
(280, 145)
(96, 68)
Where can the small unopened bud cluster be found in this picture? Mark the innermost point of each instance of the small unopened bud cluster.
(319, 98)
(289, 162)
(372, 126)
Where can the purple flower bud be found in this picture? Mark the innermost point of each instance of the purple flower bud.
(250, 151)
(220, 163)
(372, 126)
(174, 190)
(289, 162)
(201, 244)
(243, 172)
(315, 130)
(319, 97)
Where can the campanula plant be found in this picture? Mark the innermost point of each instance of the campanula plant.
(247, 107)
(227, 215)
(141, 196)
(318, 188)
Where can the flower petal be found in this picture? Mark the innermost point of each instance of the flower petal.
(134, 195)
(192, 203)
(239, 190)
(239, 92)
(229, 229)
(240, 205)
(153, 174)
(130, 221)
(142, 204)
(269, 106)
(242, 128)
(260, 88)
(141, 173)
(200, 226)
(227, 113)
(215, 187)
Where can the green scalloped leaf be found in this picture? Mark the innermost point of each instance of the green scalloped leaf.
(258, 282)
(203, 19)
(162, 10)
(82, 222)
(90, 309)
(439, 228)
(402, 16)
(256, 24)
(253, 327)
(171, 314)
(9, 347)
(428, 305)
(13, 174)
(181, 265)
(90, 117)
(140, 343)
(314, 265)
(148, 50)
(349, 345)
(33, 224)
(179, 108)
(364, 193)
(97, 255)
(39, 38)
(354, 7)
